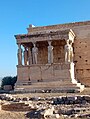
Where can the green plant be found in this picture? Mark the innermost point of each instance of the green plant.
(8, 81)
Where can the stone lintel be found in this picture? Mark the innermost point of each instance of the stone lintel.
(45, 36)
(57, 26)
(63, 65)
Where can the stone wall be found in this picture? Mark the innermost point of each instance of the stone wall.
(45, 72)
(81, 47)
(23, 73)
(7, 87)
(82, 56)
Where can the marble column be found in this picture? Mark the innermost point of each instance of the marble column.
(25, 56)
(34, 53)
(19, 54)
(50, 52)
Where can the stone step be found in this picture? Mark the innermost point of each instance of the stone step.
(53, 83)
(48, 85)
(26, 82)
(51, 86)
(23, 83)
(48, 90)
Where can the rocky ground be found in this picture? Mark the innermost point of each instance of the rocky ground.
(45, 106)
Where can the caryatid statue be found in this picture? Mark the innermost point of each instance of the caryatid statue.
(68, 52)
(34, 53)
(71, 52)
(50, 53)
(25, 56)
(19, 55)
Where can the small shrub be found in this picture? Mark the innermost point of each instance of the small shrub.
(9, 81)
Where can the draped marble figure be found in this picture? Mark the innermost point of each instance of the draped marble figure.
(68, 52)
(34, 53)
(19, 55)
(25, 56)
(50, 53)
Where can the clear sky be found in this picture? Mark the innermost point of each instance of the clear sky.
(16, 15)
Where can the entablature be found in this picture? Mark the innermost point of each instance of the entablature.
(46, 36)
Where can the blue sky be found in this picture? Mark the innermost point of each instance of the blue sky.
(16, 15)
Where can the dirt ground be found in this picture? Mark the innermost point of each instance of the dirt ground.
(21, 115)
(12, 115)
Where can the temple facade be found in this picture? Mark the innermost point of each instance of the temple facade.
(54, 53)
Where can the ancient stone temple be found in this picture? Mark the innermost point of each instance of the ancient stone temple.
(57, 53)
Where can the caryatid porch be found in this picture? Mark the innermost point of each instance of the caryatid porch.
(45, 56)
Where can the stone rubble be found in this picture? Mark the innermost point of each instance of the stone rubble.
(48, 107)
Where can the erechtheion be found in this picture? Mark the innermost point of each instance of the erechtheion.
(54, 53)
